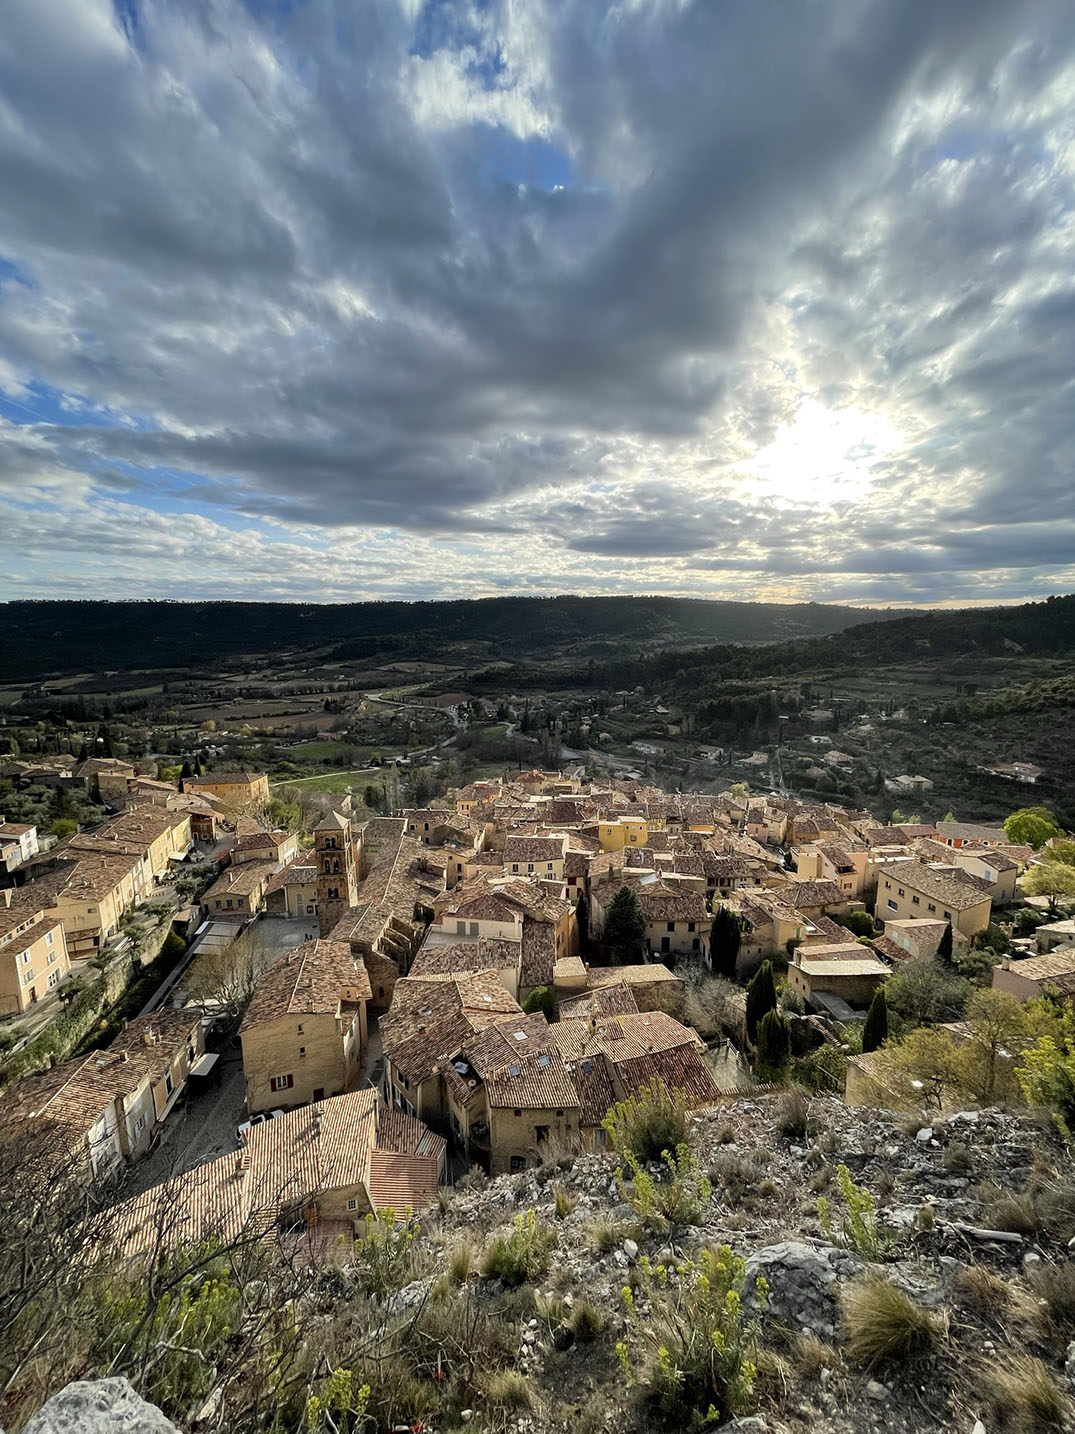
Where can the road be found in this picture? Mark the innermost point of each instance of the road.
(199, 1129)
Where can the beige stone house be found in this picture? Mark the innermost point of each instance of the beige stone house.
(913, 888)
(239, 891)
(89, 891)
(236, 791)
(293, 890)
(280, 847)
(849, 971)
(538, 857)
(430, 1019)
(33, 951)
(304, 1032)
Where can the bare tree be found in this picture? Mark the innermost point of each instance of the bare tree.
(223, 979)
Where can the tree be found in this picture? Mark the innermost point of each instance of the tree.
(944, 946)
(582, 918)
(1046, 1073)
(1062, 851)
(1052, 879)
(725, 938)
(63, 827)
(761, 997)
(1031, 826)
(185, 771)
(625, 924)
(860, 923)
(875, 1031)
(774, 1046)
(224, 980)
(541, 999)
(924, 992)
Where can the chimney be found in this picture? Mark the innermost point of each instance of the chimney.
(147, 1037)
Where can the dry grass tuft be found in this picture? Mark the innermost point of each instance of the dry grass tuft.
(1055, 1284)
(983, 1291)
(586, 1321)
(1024, 1396)
(884, 1325)
(565, 1202)
(508, 1389)
(811, 1355)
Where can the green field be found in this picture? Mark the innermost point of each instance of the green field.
(316, 751)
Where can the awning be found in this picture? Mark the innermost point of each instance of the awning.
(204, 1064)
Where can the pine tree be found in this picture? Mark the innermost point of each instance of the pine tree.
(875, 1031)
(625, 925)
(774, 1045)
(761, 998)
(944, 947)
(725, 938)
(185, 771)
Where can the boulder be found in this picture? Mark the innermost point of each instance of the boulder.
(99, 1406)
(802, 1283)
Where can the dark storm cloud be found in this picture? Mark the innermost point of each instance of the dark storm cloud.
(282, 255)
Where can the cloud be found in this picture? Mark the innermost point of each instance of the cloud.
(410, 298)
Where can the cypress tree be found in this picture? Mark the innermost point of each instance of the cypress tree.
(725, 938)
(875, 1031)
(944, 947)
(774, 1044)
(625, 925)
(761, 998)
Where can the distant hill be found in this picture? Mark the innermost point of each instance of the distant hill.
(42, 639)
(1031, 628)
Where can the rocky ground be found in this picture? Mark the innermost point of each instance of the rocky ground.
(972, 1215)
(952, 1197)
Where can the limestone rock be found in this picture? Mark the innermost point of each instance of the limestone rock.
(99, 1406)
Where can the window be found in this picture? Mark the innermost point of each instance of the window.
(671, 926)
(915, 901)
(517, 1163)
(892, 905)
(352, 1204)
(542, 1133)
(902, 892)
(54, 977)
(692, 926)
(28, 976)
(302, 1050)
(888, 886)
(49, 939)
(932, 907)
(26, 958)
(169, 1084)
(300, 1028)
(282, 1082)
(140, 1125)
(947, 916)
(518, 1111)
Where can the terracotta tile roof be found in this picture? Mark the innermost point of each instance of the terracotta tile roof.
(242, 880)
(635, 1049)
(538, 960)
(1057, 969)
(534, 1082)
(805, 894)
(431, 1017)
(313, 979)
(535, 849)
(481, 955)
(889, 950)
(638, 975)
(666, 903)
(336, 1145)
(612, 1000)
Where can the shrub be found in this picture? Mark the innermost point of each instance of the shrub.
(884, 1325)
(586, 1321)
(1023, 1395)
(518, 1257)
(694, 1353)
(875, 1031)
(541, 999)
(678, 1197)
(387, 1256)
(648, 1123)
(793, 1115)
(565, 1203)
(1055, 1284)
(859, 1229)
(461, 1262)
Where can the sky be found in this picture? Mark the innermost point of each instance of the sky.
(343, 299)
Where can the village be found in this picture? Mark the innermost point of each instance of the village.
(402, 999)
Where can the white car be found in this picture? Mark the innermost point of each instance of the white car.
(262, 1116)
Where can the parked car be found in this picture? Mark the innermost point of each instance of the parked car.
(243, 1130)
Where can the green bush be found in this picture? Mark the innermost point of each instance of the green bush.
(678, 1196)
(859, 1229)
(520, 1256)
(690, 1348)
(647, 1124)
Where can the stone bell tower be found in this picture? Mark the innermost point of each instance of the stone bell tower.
(337, 870)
